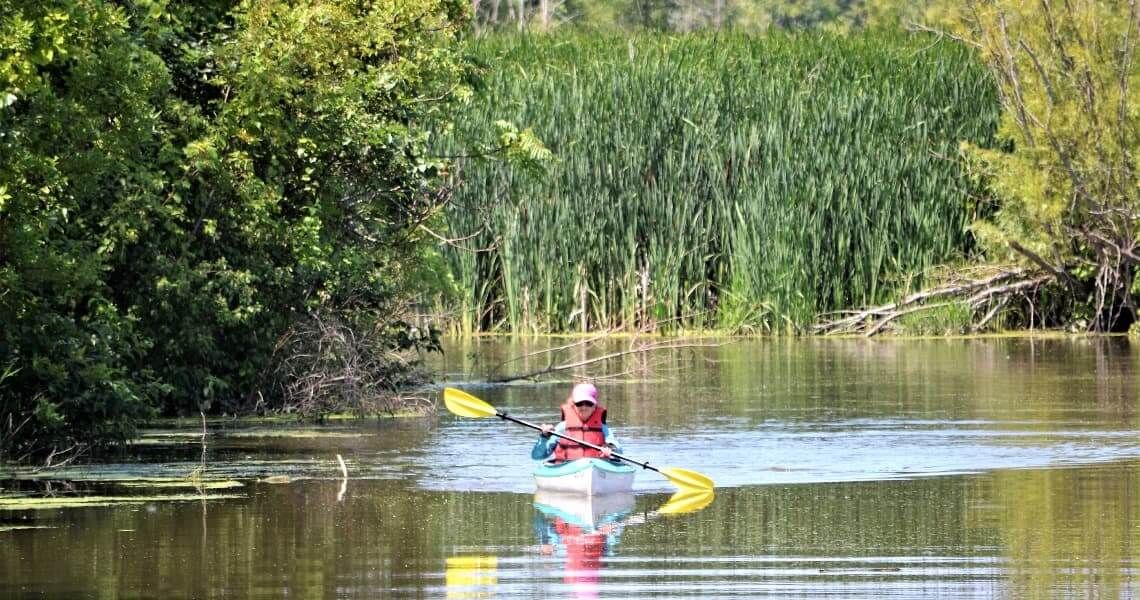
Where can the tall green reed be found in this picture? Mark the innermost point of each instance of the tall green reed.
(716, 180)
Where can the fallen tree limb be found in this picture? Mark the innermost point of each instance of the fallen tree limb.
(856, 322)
(552, 351)
(894, 314)
(1060, 274)
(985, 296)
(638, 348)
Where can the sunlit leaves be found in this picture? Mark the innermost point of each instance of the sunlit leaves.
(1067, 182)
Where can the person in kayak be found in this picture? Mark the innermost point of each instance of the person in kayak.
(582, 418)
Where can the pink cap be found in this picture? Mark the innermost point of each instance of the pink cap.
(584, 392)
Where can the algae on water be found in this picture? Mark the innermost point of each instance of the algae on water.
(24, 503)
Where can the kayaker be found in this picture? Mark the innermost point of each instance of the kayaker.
(582, 418)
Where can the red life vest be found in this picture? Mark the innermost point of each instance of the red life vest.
(590, 431)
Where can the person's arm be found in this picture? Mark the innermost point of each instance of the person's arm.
(544, 445)
(611, 439)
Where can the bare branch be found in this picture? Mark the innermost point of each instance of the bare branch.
(993, 312)
(1005, 290)
(1101, 241)
(577, 344)
(1040, 72)
(892, 315)
(454, 242)
(992, 292)
(1122, 107)
(856, 320)
(914, 26)
(1008, 69)
(639, 349)
(1057, 272)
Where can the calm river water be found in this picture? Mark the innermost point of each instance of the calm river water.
(845, 468)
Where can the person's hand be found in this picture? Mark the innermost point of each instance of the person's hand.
(546, 429)
(607, 451)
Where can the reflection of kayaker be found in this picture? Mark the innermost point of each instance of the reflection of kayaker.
(586, 511)
(583, 551)
(582, 546)
(583, 530)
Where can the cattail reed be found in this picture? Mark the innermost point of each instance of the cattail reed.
(715, 181)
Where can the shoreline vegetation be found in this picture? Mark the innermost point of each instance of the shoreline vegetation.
(749, 184)
(266, 208)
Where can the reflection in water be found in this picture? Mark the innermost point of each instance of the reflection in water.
(581, 530)
(1015, 534)
(584, 530)
(687, 501)
(471, 576)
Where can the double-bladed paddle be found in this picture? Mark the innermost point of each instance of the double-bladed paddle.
(466, 405)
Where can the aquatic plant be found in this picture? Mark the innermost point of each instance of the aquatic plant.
(715, 181)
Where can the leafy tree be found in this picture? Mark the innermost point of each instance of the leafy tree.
(183, 184)
(1066, 185)
(693, 15)
(79, 131)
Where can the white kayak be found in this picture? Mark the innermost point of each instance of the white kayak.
(586, 476)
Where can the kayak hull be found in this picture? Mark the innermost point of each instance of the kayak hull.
(587, 512)
(586, 476)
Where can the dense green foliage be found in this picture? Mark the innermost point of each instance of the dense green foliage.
(182, 184)
(1067, 185)
(731, 181)
(204, 204)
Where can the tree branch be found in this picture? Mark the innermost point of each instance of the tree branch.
(640, 349)
(1057, 272)
(976, 294)
(454, 242)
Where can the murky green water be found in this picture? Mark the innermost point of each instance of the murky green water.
(952, 468)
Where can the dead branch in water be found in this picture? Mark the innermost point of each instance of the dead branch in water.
(985, 296)
(550, 351)
(582, 348)
(636, 348)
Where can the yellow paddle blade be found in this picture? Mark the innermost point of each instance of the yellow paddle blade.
(686, 501)
(687, 479)
(466, 405)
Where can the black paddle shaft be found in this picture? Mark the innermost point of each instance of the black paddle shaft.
(643, 465)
